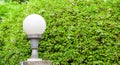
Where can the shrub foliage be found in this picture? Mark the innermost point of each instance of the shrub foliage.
(81, 32)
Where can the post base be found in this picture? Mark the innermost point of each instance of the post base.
(34, 59)
(43, 62)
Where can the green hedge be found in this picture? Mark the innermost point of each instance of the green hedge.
(78, 32)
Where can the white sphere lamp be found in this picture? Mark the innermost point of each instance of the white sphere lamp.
(34, 25)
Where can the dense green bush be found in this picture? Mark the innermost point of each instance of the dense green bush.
(78, 32)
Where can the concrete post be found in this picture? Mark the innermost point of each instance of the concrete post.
(43, 62)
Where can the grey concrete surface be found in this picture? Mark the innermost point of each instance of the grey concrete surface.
(43, 62)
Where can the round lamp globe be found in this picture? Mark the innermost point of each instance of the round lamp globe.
(34, 24)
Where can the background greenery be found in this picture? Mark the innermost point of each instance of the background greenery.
(80, 32)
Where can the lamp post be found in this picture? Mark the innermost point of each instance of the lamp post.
(34, 25)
